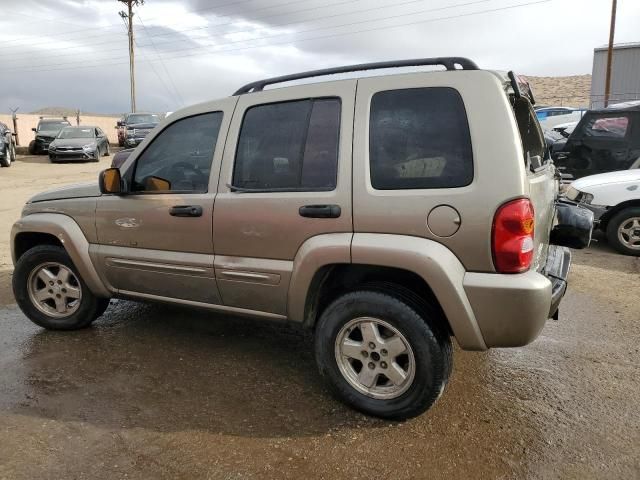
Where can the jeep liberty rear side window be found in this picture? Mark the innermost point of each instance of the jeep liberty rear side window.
(419, 138)
(289, 146)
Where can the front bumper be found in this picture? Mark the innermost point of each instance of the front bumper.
(79, 155)
(133, 141)
(42, 145)
(511, 310)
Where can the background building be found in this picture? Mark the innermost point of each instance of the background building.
(625, 74)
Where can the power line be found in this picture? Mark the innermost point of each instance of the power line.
(322, 37)
(177, 32)
(151, 65)
(93, 28)
(395, 5)
(177, 92)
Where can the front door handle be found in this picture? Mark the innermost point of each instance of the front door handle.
(186, 211)
(320, 211)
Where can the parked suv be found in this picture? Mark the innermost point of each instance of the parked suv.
(604, 140)
(46, 131)
(386, 214)
(134, 127)
(7, 146)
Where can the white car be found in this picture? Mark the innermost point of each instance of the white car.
(614, 199)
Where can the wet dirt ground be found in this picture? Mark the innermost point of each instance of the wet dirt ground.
(160, 392)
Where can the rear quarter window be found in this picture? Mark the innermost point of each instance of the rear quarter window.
(419, 138)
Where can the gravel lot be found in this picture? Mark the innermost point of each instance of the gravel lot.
(157, 392)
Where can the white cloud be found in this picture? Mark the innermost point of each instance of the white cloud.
(209, 51)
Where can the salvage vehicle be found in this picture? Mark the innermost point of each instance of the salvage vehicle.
(134, 127)
(614, 198)
(604, 140)
(79, 143)
(46, 131)
(7, 146)
(364, 209)
(546, 112)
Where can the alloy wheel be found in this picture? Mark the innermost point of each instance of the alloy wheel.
(629, 233)
(54, 289)
(375, 358)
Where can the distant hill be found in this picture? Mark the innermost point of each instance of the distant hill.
(69, 112)
(573, 91)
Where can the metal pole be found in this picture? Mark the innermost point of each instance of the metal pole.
(612, 29)
(14, 117)
(132, 72)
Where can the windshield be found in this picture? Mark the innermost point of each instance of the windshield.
(143, 118)
(75, 132)
(52, 125)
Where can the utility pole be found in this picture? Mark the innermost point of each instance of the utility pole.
(612, 30)
(14, 117)
(132, 74)
(78, 117)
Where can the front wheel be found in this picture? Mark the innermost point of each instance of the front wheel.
(623, 231)
(107, 150)
(380, 356)
(51, 293)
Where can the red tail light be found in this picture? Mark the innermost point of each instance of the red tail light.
(512, 236)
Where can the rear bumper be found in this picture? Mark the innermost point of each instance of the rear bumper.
(511, 310)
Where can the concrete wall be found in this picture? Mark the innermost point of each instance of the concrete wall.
(27, 121)
(625, 74)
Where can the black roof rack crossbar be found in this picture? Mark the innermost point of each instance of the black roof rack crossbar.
(448, 62)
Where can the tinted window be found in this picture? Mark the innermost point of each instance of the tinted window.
(181, 154)
(419, 138)
(611, 127)
(291, 145)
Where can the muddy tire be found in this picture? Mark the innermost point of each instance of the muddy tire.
(107, 150)
(32, 147)
(382, 357)
(50, 291)
(623, 231)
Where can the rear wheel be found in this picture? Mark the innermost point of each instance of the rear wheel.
(623, 231)
(380, 356)
(51, 293)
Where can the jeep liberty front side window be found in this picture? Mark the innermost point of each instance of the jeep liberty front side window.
(289, 146)
(181, 155)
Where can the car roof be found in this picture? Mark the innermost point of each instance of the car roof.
(633, 106)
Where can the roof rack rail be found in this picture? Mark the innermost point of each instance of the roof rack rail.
(448, 62)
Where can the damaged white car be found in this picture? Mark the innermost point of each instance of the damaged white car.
(614, 199)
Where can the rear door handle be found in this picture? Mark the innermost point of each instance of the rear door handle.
(186, 211)
(320, 211)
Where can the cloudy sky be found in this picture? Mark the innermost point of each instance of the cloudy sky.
(73, 53)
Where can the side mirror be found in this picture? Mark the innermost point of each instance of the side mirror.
(119, 124)
(34, 129)
(110, 181)
(14, 134)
